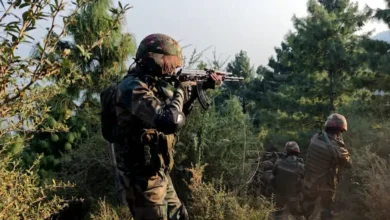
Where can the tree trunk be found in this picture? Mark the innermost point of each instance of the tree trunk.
(331, 91)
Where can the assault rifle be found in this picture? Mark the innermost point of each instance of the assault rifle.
(201, 77)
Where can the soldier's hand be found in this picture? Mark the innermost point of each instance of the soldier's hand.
(214, 81)
(216, 78)
(186, 84)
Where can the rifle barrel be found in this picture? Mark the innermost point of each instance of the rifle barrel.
(200, 72)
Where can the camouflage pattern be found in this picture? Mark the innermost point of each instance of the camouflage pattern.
(325, 156)
(286, 181)
(292, 147)
(145, 155)
(336, 121)
(160, 54)
(152, 197)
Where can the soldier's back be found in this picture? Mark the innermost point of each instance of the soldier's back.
(289, 174)
(319, 158)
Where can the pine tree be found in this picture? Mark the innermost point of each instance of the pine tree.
(77, 107)
(323, 58)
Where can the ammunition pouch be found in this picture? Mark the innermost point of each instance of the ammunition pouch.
(158, 150)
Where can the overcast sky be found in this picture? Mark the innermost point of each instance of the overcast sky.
(256, 26)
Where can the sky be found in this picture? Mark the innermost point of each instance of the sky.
(255, 26)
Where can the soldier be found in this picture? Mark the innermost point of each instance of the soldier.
(260, 183)
(326, 155)
(148, 117)
(287, 175)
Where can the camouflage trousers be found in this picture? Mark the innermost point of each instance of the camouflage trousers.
(318, 191)
(151, 197)
(292, 204)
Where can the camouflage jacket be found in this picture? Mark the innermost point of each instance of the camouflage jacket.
(287, 175)
(323, 160)
(139, 100)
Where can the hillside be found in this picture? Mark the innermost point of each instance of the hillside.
(383, 36)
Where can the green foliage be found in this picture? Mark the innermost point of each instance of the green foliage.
(89, 167)
(315, 71)
(221, 137)
(49, 107)
(97, 27)
(105, 63)
(22, 197)
(241, 66)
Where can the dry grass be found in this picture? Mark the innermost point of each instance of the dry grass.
(212, 201)
(364, 190)
(105, 211)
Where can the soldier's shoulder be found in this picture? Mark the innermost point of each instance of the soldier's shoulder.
(342, 150)
(316, 139)
(315, 136)
(131, 83)
(338, 143)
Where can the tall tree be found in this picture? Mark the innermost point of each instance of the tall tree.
(378, 54)
(241, 66)
(323, 56)
(24, 96)
(77, 106)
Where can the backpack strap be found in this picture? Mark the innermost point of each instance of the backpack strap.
(331, 149)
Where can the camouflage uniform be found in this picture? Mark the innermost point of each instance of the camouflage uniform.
(287, 175)
(148, 115)
(326, 155)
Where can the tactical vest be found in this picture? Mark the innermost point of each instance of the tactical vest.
(320, 160)
(289, 176)
(142, 146)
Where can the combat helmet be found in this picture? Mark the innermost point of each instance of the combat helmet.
(337, 121)
(292, 147)
(159, 54)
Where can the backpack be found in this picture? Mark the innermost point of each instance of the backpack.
(108, 117)
(289, 177)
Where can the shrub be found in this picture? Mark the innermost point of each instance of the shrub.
(212, 201)
(90, 169)
(105, 211)
(21, 195)
(363, 192)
